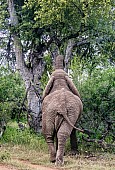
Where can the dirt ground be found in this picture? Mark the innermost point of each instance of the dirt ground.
(4, 167)
(36, 167)
(15, 157)
(28, 164)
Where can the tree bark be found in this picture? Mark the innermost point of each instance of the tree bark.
(30, 76)
(68, 53)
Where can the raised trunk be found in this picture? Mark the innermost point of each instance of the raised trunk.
(30, 76)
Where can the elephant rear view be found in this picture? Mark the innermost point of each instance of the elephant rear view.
(61, 108)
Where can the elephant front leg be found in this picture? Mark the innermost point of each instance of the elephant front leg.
(73, 142)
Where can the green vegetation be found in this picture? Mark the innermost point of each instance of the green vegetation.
(36, 28)
(43, 29)
(14, 136)
(97, 89)
(24, 149)
(97, 92)
(12, 92)
(48, 70)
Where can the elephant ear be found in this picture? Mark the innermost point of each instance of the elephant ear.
(48, 87)
(71, 86)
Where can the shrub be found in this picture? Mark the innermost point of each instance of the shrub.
(15, 136)
(11, 94)
(98, 95)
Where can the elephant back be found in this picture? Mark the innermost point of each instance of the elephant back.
(59, 80)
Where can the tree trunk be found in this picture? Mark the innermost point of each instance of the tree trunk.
(31, 76)
(68, 53)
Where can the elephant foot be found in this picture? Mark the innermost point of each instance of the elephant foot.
(74, 152)
(59, 159)
(59, 162)
(52, 152)
(52, 159)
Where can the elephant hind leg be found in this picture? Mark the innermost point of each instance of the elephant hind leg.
(73, 142)
(60, 152)
(62, 135)
(48, 132)
(50, 142)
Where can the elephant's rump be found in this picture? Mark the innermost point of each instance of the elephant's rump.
(58, 103)
(61, 99)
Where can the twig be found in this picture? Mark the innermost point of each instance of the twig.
(101, 142)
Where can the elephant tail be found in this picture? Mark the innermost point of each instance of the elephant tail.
(69, 122)
(86, 131)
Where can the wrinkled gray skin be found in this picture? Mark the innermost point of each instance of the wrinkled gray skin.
(53, 121)
(61, 109)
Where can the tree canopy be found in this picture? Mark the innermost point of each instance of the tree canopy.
(89, 22)
(46, 25)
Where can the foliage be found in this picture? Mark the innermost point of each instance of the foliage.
(45, 24)
(98, 95)
(42, 23)
(47, 71)
(15, 136)
(59, 21)
(11, 94)
(4, 15)
(76, 12)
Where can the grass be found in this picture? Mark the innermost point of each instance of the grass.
(14, 136)
(15, 155)
(20, 147)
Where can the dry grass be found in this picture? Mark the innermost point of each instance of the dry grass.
(16, 156)
(23, 150)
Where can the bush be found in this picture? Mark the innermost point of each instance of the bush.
(98, 95)
(11, 94)
(15, 136)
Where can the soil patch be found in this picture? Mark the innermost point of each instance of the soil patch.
(5, 167)
(28, 164)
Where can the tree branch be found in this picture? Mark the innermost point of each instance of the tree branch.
(100, 142)
(80, 11)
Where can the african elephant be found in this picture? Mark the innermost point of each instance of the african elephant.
(61, 108)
